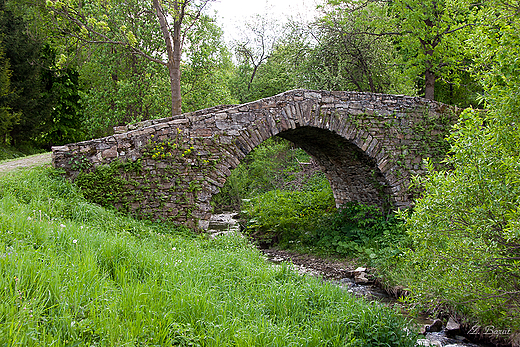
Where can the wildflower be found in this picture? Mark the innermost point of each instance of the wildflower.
(62, 225)
(29, 218)
(74, 241)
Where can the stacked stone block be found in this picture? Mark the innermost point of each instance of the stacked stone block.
(369, 146)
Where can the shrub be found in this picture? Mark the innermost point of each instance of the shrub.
(274, 164)
(466, 245)
(357, 230)
(283, 216)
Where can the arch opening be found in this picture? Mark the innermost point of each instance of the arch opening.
(275, 164)
(353, 175)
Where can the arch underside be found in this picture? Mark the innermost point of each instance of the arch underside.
(353, 175)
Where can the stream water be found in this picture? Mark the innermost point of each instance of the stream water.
(341, 274)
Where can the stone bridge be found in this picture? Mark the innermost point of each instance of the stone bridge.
(368, 145)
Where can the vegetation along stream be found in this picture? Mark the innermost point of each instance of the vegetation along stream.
(286, 202)
(353, 279)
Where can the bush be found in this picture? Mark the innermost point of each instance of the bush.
(357, 230)
(465, 230)
(7, 152)
(309, 219)
(284, 217)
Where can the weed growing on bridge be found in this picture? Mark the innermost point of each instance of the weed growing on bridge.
(109, 184)
(74, 273)
(80, 163)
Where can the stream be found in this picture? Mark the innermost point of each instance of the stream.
(355, 280)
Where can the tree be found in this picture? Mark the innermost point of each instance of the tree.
(346, 57)
(135, 25)
(468, 220)
(259, 42)
(7, 118)
(27, 98)
(428, 34)
(65, 124)
(118, 88)
(331, 53)
(208, 69)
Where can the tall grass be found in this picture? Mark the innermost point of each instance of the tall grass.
(75, 274)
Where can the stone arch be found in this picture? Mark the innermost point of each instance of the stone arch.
(369, 145)
(352, 173)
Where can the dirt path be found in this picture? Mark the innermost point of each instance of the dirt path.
(33, 160)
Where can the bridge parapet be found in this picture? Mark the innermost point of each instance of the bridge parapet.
(368, 145)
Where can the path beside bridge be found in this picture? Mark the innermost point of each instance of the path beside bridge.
(25, 162)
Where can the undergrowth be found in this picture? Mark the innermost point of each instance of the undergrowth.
(309, 222)
(75, 274)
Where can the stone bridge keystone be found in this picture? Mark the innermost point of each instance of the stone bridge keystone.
(368, 145)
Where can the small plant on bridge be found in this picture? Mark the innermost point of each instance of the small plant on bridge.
(161, 149)
(80, 163)
(169, 149)
(105, 185)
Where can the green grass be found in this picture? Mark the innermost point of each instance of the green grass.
(75, 274)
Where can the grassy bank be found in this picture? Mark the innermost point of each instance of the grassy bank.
(75, 274)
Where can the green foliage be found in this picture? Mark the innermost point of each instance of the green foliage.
(165, 149)
(468, 219)
(467, 222)
(75, 273)
(274, 164)
(337, 52)
(358, 230)
(106, 184)
(66, 116)
(428, 37)
(206, 75)
(7, 152)
(118, 88)
(347, 57)
(40, 108)
(7, 118)
(284, 217)
(277, 74)
(27, 98)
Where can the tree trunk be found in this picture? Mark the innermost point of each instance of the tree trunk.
(176, 69)
(173, 50)
(429, 84)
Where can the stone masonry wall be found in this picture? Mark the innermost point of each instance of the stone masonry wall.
(368, 145)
